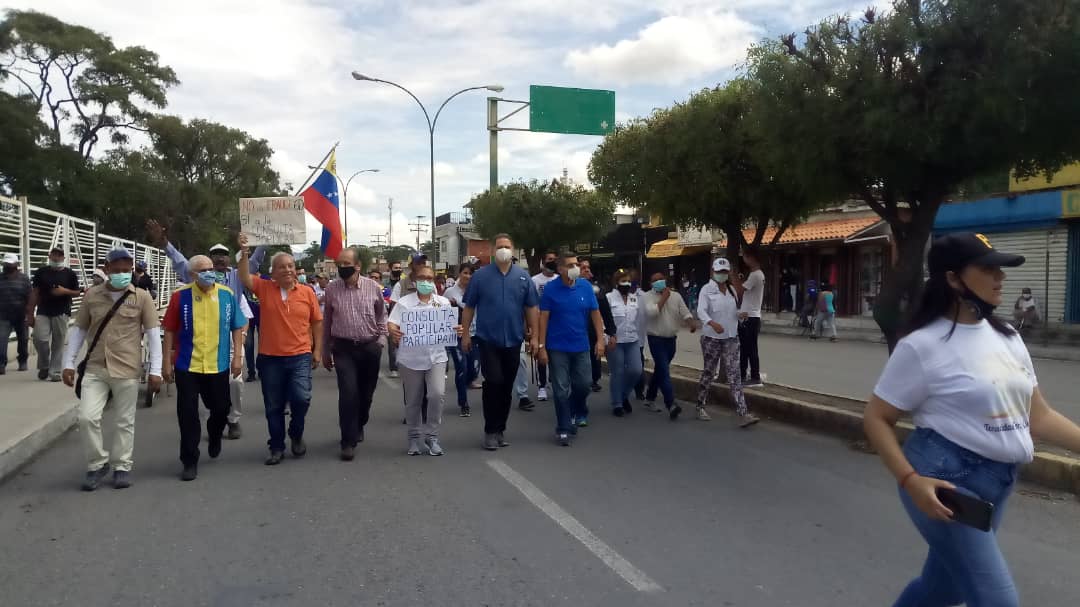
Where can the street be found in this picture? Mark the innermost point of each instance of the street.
(640, 511)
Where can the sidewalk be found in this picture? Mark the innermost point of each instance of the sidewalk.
(33, 414)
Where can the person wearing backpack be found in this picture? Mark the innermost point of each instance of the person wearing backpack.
(826, 313)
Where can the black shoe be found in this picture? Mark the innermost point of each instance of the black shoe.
(234, 431)
(491, 442)
(465, 412)
(23, 367)
(501, 440)
(250, 379)
(674, 413)
(94, 477)
(298, 447)
(214, 448)
(3, 370)
(626, 407)
(348, 454)
(526, 405)
(564, 439)
(275, 458)
(121, 479)
(360, 436)
(43, 374)
(618, 412)
(189, 473)
(596, 387)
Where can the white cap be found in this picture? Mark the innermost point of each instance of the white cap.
(219, 247)
(721, 264)
(11, 258)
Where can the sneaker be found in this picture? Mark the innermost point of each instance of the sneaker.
(501, 440)
(583, 422)
(414, 447)
(541, 394)
(703, 415)
(564, 439)
(618, 412)
(23, 367)
(673, 414)
(394, 374)
(433, 447)
(275, 458)
(491, 443)
(476, 385)
(94, 477)
(526, 405)
(298, 447)
(234, 430)
(653, 407)
(214, 448)
(348, 454)
(250, 378)
(55, 378)
(832, 339)
(596, 387)
(43, 374)
(465, 412)
(121, 479)
(748, 420)
(189, 473)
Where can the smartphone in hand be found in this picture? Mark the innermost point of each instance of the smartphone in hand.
(967, 510)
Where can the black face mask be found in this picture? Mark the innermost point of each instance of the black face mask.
(346, 272)
(981, 308)
(395, 274)
(624, 289)
(551, 266)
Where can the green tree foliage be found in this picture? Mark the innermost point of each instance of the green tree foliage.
(903, 109)
(396, 253)
(20, 132)
(540, 215)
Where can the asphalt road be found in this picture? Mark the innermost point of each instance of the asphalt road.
(639, 512)
(851, 368)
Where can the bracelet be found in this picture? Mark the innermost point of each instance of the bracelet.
(907, 477)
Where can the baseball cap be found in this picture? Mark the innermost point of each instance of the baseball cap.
(954, 252)
(141, 265)
(118, 254)
(219, 248)
(11, 258)
(418, 257)
(721, 264)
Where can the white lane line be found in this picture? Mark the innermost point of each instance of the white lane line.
(622, 567)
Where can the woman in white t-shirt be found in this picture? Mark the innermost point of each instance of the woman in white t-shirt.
(968, 381)
(718, 310)
(421, 366)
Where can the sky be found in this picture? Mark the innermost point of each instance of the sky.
(280, 70)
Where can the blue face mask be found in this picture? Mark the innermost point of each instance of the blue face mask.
(219, 277)
(207, 277)
(120, 280)
(659, 285)
(425, 287)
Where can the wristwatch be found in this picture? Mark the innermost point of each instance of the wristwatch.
(539, 346)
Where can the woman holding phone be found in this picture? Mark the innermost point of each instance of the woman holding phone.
(968, 380)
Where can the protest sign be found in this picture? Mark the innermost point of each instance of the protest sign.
(423, 327)
(274, 220)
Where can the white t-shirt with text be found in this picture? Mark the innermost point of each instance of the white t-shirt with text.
(974, 389)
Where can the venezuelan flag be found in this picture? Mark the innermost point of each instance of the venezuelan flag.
(321, 200)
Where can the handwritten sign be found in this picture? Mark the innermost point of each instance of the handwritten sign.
(278, 220)
(423, 327)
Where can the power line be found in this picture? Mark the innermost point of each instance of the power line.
(418, 226)
(377, 240)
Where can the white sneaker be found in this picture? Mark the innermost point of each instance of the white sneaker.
(703, 415)
(541, 394)
(393, 374)
(652, 406)
(433, 446)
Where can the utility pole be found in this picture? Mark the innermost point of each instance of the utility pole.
(418, 226)
(377, 240)
(390, 234)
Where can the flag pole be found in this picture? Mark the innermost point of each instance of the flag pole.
(319, 165)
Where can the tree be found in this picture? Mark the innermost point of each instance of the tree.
(80, 81)
(397, 253)
(540, 215)
(428, 248)
(701, 163)
(904, 109)
(20, 132)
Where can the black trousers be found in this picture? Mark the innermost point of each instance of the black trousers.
(16, 323)
(749, 330)
(500, 367)
(357, 367)
(214, 390)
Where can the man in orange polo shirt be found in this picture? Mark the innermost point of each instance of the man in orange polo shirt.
(290, 346)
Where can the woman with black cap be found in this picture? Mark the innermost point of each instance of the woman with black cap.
(968, 381)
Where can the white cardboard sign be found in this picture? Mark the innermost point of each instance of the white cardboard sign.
(422, 327)
(273, 220)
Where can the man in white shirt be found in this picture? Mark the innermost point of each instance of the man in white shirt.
(548, 273)
(753, 291)
(666, 312)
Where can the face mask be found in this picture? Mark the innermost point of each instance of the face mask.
(56, 264)
(395, 274)
(551, 266)
(659, 285)
(573, 273)
(207, 278)
(302, 279)
(504, 255)
(219, 277)
(120, 280)
(425, 287)
(981, 308)
(1027, 297)
(9, 269)
(624, 287)
(720, 277)
(346, 272)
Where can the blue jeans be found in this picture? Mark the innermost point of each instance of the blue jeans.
(465, 372)
(285, 379)
(663, 352)
(964, 565)
(571, 381)
(625, 365)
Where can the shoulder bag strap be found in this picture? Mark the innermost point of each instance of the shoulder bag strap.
(101, 327)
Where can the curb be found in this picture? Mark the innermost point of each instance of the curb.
(1050, 470)
(25, 449)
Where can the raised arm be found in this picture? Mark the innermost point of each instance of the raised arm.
(243, 270)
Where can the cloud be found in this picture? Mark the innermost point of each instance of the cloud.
(670, 51)
(444, 169)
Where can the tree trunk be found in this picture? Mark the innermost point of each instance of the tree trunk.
(902, 287)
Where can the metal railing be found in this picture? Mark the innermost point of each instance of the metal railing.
(31, 231)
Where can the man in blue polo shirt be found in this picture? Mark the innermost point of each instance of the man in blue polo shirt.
(502, 298)
(564, 341)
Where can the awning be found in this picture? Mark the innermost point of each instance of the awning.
(816, 231)
(672, 248)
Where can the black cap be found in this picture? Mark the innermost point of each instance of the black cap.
(954, 252)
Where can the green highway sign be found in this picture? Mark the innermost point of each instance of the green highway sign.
(556, 109)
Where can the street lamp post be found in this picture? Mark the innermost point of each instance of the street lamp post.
(345, 196)
(430, 122)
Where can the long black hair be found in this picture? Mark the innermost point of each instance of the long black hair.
(940, 300)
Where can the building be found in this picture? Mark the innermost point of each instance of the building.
(452, 236)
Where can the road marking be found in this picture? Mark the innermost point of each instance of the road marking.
(622, 567)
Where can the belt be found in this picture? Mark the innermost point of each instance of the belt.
(346, 341)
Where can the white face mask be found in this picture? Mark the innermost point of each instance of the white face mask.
(504, 255)
(573, 273)
(720, 277)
